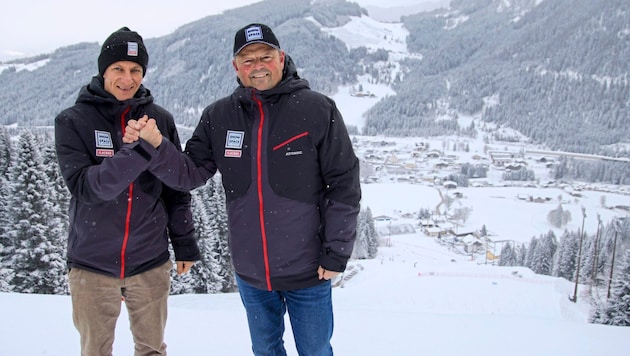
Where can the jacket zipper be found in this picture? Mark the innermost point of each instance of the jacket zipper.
(123, 248)
(261, 205)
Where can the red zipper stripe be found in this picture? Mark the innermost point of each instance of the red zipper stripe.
(123, 248)
(261, 205)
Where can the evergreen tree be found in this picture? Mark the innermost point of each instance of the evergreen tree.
(359, 251)
(38, 262)
(542, 260)
(617, 310)
(521, 255)
(214, 273)
(566, 260)
(219, 223)
(531, 253)
(366, 243)
(508, 256)
(194, 281)
(5, 221)
(373, 235)
(202, 277)
(5, 152)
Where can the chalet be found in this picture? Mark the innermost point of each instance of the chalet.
(433, 154)
(449, 184)
(440, 165)
(500, 158)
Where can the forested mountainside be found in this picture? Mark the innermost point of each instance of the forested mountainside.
(555, 70)
(189, 68)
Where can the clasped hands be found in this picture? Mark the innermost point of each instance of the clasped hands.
(143, 128)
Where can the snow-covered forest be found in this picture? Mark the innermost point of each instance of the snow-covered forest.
(34, 229)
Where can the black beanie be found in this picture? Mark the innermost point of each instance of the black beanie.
(123, 45)
(254, 33)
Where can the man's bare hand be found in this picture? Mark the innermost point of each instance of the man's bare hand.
(326, 274)
(144, 128)
(151, 133)
(184, 266)
(132, 131)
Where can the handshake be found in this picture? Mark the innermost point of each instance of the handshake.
(143, 128)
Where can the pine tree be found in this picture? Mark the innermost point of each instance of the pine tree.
(531, 253)
(359, 251)
(542, 260)
(5, 152)
(521, 255)
(565, 262)
(214, 273)
(366, 242)
(38, 263)
(372, 234)
(617, 310)
(508, 256)
(219, 220)
(201, 278)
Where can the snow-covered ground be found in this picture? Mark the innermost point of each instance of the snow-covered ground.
(415, 298)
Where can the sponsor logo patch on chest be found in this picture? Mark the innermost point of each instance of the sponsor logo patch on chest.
(234, 143)
(104, 144)
(103, 139)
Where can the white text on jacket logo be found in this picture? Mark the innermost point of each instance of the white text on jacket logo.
(233, 153)
(103, 139)
(234, 139)
(293, 153)
(100, 152)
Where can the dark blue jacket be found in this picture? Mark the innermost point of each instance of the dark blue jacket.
(121, 217)
(290, 175)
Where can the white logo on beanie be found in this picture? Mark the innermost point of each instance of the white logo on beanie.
(132, 49)
(253, 33)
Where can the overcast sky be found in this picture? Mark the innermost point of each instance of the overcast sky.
(31, 27)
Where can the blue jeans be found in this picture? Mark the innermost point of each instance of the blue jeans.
(310, 313)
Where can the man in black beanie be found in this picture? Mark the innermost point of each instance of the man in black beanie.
(121, 217)
(123, 45)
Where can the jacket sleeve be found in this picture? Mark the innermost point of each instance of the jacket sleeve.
(189, 170)
(181, 229)
(340, 206)
(87, 179)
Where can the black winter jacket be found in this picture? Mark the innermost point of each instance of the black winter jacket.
(120, 216)
(291, 180)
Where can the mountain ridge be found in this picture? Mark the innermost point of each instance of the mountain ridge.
(553, 70)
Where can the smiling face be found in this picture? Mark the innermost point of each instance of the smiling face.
(123, 79)
(259, 66)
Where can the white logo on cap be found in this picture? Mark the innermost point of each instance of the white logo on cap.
(253, 33)
(132, 49)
